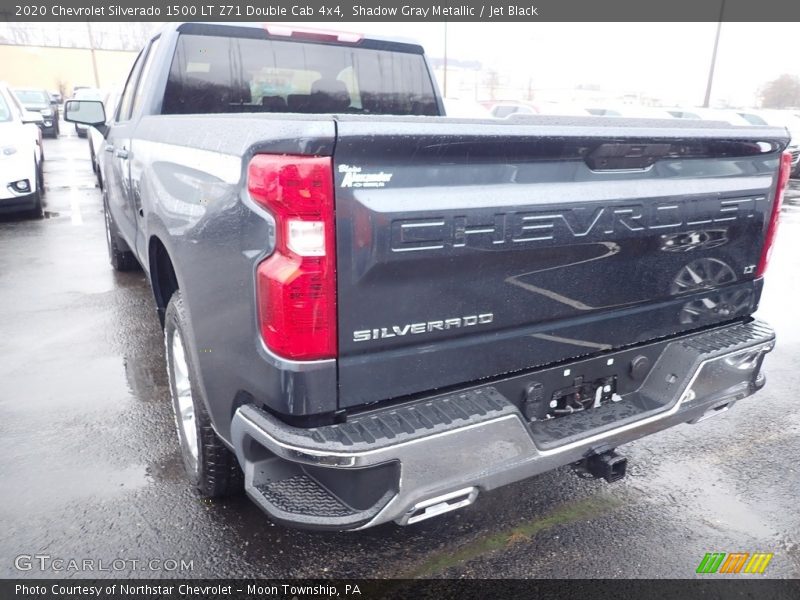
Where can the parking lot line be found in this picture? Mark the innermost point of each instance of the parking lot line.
(74, 195)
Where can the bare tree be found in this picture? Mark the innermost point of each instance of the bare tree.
(105, 36)
(783, 92)
(15, 34)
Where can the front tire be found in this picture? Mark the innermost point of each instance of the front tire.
(40, 179)
(121, 260)
(37, 212)
(91, 157)
(210, 465)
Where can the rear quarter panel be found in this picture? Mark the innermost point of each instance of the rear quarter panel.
(188, 173)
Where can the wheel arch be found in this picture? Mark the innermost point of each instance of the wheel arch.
(163, 277)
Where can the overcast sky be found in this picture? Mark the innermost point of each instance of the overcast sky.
(669, 61)
(659, 59)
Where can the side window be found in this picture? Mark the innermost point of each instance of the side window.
(148, 63)
(126, 100)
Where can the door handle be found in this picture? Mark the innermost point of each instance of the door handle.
(121, 153)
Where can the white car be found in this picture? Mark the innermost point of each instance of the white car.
(21, 174)
(726, 115)
(789, 120)
(562, 109)
(501, 110)
(96, 139)
(465, 109)
(629, 111)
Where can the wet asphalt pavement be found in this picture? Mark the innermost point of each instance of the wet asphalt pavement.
(90, 466)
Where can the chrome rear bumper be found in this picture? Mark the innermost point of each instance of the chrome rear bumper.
(410, 462)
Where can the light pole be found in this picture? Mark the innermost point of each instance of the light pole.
(445, 60)
(707, 99)
(94, 57)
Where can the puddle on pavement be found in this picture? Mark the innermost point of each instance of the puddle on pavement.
(168, 469)
(71, 484)
(712, 498)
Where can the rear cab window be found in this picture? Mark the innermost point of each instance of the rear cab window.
(216, 74)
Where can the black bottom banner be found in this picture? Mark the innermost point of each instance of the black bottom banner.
(493, 589)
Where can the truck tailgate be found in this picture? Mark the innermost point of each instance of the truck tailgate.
(467, 250)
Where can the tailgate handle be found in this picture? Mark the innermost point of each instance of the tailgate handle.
(626, 156)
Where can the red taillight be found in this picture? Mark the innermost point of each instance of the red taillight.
(783, 178)
(296, 285)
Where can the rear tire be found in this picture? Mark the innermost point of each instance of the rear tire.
(210, 465)
(121, 260)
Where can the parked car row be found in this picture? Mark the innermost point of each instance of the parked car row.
(787, 119)
(46, 104)
(26, 116)
(40, 101)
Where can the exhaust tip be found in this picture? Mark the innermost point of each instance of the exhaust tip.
(439, 505)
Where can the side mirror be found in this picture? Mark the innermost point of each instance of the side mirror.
(30, 116)
(86, 112)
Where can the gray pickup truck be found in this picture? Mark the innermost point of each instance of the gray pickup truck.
(374, 313)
